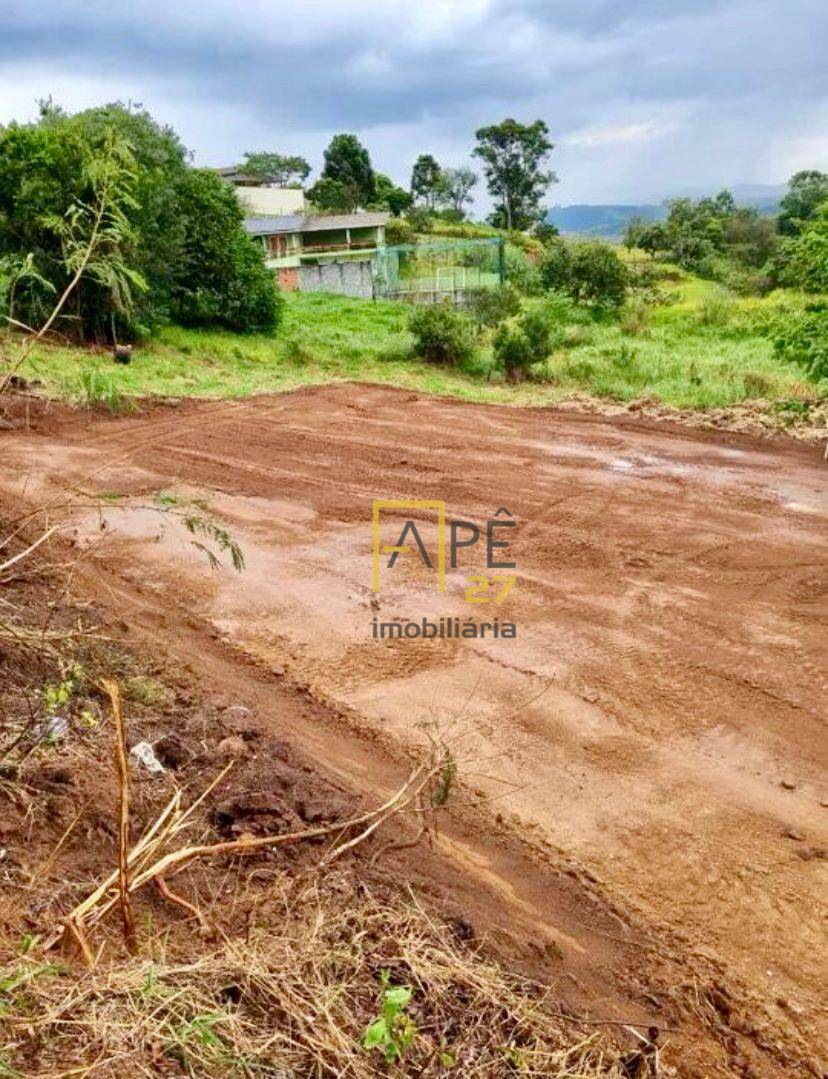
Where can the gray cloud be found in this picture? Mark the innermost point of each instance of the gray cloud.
(642, 98)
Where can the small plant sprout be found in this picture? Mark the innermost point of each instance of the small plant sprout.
(393, 1031)
(442, 788)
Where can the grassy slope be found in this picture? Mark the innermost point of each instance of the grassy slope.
(676, 359)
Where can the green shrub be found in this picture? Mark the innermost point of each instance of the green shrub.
(442, 335)
(535, 325)
(173, 242)
(419, 219)
(555, 266)
(222, 278)
(521, 342)
(512, 350)
(461, 230)
(747, 282)
(597, 274)
(399, 231)
(562, 309)
(803, 261)
(590, 271)
(521, 270)
(491, 306)
(803, 339)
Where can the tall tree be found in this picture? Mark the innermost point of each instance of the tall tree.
(283, 170)
(347, 181)
(513, 157)
(456, 186)
(425, 180)
(807, 190)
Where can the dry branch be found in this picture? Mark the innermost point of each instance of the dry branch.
(23, 554)
(152, 860)
(122, 762)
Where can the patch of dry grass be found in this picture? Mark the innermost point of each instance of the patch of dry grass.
(296, 1001)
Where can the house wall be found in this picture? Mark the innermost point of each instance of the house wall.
(352, 278)
(271, 201)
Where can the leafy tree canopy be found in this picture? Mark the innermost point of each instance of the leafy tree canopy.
(454, 188)
(221, 277)
(425, 180)
(282, 169)
(807, 190)
(804, 258)
(590, 272)
(388, 196)
(347, 181)
(708, 236)
(514, 157)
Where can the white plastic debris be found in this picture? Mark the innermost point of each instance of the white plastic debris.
(145, 754)
(52, 729)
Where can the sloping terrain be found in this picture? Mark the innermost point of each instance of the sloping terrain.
(655, 731)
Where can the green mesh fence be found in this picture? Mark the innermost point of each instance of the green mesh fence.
(438, 269)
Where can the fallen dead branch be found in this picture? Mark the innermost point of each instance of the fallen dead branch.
(33, 547)
(151, 859)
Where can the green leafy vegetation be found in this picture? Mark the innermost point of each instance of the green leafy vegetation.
(748, 251)
(441, 334)
(105, 198)
(347, 180)
(679, 360)
(590, 271)
(804, 262)
(490, 306)
(692, 315)
(284, 170)
(521, 342)
(514, 163)
(803, 339)
(393, 1031)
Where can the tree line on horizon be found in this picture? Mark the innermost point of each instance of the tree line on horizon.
(170, 243)
(513, 157)
(740, 247)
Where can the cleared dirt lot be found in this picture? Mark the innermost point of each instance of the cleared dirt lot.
(657, 727)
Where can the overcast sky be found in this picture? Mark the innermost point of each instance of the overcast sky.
(643, 97)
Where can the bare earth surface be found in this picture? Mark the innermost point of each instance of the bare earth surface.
(657, 729)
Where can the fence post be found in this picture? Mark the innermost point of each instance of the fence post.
(501, 259)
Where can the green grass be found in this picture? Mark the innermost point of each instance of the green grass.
(678, 357)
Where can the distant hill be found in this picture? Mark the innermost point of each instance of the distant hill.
(610, 221)
(745, 194)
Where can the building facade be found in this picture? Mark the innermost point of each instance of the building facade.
(294, 241)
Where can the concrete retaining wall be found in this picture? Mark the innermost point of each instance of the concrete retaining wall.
(351, 278)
